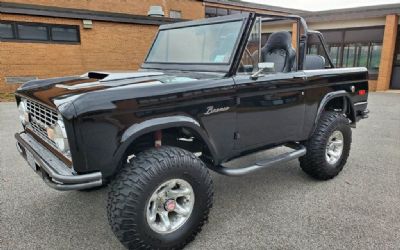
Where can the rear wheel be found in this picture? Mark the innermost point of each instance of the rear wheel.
(160, 200)
(328, 148)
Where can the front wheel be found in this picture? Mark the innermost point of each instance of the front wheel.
(328, 148)
(160, 200)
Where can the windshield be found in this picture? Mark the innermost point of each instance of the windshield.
(211, 43)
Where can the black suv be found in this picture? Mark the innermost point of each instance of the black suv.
(209, 91)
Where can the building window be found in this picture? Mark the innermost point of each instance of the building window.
(222, 12)
(39, 32)
(175, 14)
(362, 55)
(375, 57)
(64, 34)
(232, 12)
(213, 12)
(349, 54)
(6, 31)
(313, 49)
(359, 47)
(32, 32)
(335, 52)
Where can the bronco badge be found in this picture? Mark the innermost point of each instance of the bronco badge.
(212, 110)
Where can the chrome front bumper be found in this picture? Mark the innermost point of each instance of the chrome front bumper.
(54, 172)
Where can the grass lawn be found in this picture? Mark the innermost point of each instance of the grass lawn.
(7, 97)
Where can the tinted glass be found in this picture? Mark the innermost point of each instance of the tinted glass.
(211, 12)
(313, 49)
(222, 12)
(349, 56)
(31, 32)
(212, 43)
(375, 57)
(232, 12)
(334, 52)
(333, 36)
(6, 30)
(64, 34)
(364, 35)
(362, 60)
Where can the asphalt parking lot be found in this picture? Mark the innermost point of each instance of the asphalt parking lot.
(277, 208)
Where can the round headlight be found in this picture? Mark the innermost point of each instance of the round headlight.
(60, 136)
(23, 112)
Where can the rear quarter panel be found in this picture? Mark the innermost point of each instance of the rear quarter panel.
(322, 82)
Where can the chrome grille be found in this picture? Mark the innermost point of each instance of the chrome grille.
(41, 118)
(40, 114)
(42, 133)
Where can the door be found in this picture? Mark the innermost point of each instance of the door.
(270, 110)
(395, 81)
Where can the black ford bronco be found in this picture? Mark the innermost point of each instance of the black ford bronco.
(208, 92)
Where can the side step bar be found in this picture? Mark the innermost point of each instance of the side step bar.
(299, 150)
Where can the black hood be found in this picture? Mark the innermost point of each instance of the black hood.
(55, 92)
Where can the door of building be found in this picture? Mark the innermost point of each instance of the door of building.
(395, 82)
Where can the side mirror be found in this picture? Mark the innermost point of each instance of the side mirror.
(264, 67)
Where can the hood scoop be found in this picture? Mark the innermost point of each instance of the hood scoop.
(97, 75)
(113, 76)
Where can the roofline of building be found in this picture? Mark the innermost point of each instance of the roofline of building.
(361, 8)
(351, 13)
(320, 16)
(50, 11)
(310, 16)
(256, 6)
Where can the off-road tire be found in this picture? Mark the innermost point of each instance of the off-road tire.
(137, 180)
(314, 163)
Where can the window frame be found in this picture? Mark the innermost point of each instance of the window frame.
(236, 44)
(12, 30)
(229, 11)
(221, 68)
(76, 27)
(371, 44)
(209, 13)
(48, 27)
(31, 25)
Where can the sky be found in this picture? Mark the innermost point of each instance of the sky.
(315, 5)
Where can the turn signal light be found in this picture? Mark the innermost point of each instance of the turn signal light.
(362, 92)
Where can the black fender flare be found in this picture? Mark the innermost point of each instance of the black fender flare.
(348, 103)
(152, 125)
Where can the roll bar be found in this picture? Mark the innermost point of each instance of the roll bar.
(301, 40)
(322, 41)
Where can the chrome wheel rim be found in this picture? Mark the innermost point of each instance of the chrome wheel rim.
(170, 206)
(334, 147)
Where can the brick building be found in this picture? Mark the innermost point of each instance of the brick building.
(48, 38)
